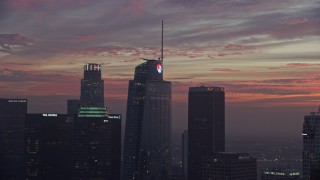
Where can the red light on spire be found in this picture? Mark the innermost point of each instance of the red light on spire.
(159, 68)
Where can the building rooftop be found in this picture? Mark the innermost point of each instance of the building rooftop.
(205, 88)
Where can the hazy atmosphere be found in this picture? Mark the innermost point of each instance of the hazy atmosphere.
(266, 54)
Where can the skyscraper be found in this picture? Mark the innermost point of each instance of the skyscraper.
(147, 146)
(47, 146)
(96, 134)
(148, 124)
(311, 143)
(92, 86)
(206, 125)
(12, 116)
(96, 144)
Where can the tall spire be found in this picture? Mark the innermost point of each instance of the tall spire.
(162, 42)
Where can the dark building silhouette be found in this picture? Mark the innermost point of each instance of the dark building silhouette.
(222, 166)
(96, 134)
(115, 123)
(73, 106)
(206, 125)
(315, 170)
(280, 174)
(96, 144)
(147, 153)
(311, 143)
(176, 161)
(12, 116)
(47, 147)
(185, 153)
(92, 86)
(178, 176)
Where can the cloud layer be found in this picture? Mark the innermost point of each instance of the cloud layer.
(259, 50)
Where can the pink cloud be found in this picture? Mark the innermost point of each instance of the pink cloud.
(225, 70)
(294, 65)
(275, 91)
(14, 39)
(117, 51)
(131, 60)
(230, 54)
(238, 47)
(29, 5)
(303, 20)
(84, 37)
(211, 56)
(295, 28)
(8, 41)
(133, 7)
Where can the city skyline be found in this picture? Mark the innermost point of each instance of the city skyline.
(265, 54)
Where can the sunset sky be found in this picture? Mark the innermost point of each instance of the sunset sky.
(266, 53)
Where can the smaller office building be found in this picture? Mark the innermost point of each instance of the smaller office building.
(47, 146)
(227, 166)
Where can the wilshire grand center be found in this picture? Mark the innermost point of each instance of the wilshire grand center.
(148, 125)
(147, 152)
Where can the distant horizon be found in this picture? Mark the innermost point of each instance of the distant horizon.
(59, 105)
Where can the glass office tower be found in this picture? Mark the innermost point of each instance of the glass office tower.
(47, 147)
(12, 116)
(147, 153)
(311, 143)
(96, 133)
(206, 125)
(92, 86)
(96, 144)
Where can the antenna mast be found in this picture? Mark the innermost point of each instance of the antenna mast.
(162, 43)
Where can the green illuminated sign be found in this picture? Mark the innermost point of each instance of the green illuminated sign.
(93, 112)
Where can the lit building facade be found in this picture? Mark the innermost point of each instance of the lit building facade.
(280, 174)
(311, 143)
(206, 125)
(47, 147)
(147, 152)
(96, 144)
(225, 166)
(92, 86)
(96, 133)
(12, 116)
